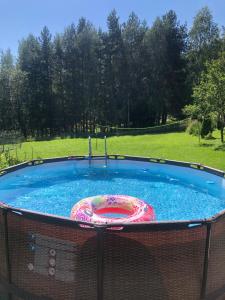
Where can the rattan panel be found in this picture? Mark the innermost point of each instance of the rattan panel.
(3, 294)
(18, 298)
(3, 272)
(216, 267)
(52, 261)
(3, 266)
(3, 257)
(154, 265)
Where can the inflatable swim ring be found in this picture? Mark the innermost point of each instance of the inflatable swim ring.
(92, 210)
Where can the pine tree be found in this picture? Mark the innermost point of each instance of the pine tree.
(116, 73)
(133, 34)
(203, 43)
(164, 46)
(58, 89)
(7, 111)
(46, 77)
(29, 62)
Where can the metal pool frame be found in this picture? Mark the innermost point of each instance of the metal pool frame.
(157, 260)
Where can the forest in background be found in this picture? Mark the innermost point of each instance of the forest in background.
(132, 75)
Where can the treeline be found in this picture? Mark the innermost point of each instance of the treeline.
(131, 75)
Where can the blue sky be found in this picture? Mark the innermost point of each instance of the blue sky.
(18, 18)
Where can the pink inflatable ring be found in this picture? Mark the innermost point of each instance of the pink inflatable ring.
(92, 210)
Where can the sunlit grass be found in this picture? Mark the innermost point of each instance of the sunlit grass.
(178, 146)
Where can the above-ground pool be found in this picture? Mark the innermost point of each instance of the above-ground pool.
(176, 193)
(44, 255)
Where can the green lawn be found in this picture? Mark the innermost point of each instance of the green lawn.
(178, 146)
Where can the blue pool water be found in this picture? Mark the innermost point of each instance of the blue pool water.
(176, 193)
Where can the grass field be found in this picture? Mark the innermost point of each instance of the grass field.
(178, 146)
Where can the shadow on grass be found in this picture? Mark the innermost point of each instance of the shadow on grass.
(210, 138)
(220, 147)
(205, 145)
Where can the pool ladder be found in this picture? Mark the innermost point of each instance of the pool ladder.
(90, 148)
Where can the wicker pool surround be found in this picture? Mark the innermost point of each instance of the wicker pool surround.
(45, 257)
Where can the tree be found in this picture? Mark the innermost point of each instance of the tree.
(70, 79)
(210, 92)
(58, 87)
(29, 62)
(116, 70)
(6, 106)
(133, 32)
(165, 71)
(46, 78)
(87, 40)
(129, 75)
(19, 96)
(203, 43)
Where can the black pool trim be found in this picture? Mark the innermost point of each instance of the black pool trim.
(102, 229)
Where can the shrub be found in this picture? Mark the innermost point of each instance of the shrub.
(194, 127)
(7, 159)
(207, 127)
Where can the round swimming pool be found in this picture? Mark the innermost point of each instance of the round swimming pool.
(44, 255)
(175, 192)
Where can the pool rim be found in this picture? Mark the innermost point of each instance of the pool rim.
(154, 225)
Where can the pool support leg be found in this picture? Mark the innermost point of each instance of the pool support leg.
(206, 261)
(100, 253)
(7, 258)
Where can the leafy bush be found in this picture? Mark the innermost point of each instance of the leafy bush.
(191, 111)
(194, 127)
(7, 159)
(207, 127)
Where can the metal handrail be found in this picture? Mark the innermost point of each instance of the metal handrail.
(89, 147)
(105, 140)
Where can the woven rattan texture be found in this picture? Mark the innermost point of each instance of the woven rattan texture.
(216, 268)
(154, 265)
(3, 294)
(51, 260)
(3, 272)
(57, 262)
(3, 250)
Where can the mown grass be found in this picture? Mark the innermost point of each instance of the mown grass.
(178, 146)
